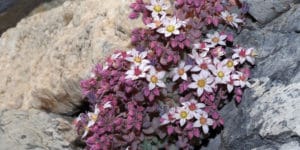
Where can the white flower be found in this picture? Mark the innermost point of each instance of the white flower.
(93, 116)
(204, 47)
(180, 71)
(202, 82)
(193, 107)
(158, 7)
(222, 73)
(218, 52)
(183, 23)
(170, 26)
(203, 63)
(204, 122)
(115, 55)
(242, 54)
(240, 79)
(168, 117)
(138, 57)
(229, 64)
(183, 115)
(107, 105)
(215, 39)
(157, 22)
(86, 131)
(230, 84)
(231, 18)
(137, 72)
(111, 59)
(155, 78)
(195, 54)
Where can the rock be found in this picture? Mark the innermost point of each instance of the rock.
(46, 55)
(268, 117)
(266, 10)
(34, 129)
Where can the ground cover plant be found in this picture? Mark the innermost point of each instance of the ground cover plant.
(167, 91)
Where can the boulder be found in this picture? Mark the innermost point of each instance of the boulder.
(35, 129)
(268, 117)
(46, 55)
(266, 10)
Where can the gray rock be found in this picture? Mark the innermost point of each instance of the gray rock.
(268, 117)
(294, 145)
(34, 129)
(266, 10)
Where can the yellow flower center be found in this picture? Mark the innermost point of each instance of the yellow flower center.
(230, 64)
(157, 8)
(201, 83)
(220, 74)
(94, 117)
(229, 18)
(203, 120)
(215, 40)
(170, 28)
(154, 79)
(138, 59)
(183, 114)
(181, 71)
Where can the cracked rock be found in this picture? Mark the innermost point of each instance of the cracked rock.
(266, 10)
(268, 117)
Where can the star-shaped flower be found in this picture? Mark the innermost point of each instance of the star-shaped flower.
(157, 22)
(215, 39)
(203, 47)
(231, 19)
(240, 79)
(202, 82)
(180, 71)
(158, 7)
(137, 57)
(193, 107)
(155, 78)
(93, 116)
(137, 71)
(203, 64)
(242, 54)
(204, 122)
(221, 73)
(170, 26)
(168, 117)
(183, 115)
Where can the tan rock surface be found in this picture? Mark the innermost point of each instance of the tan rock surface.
(46, 55)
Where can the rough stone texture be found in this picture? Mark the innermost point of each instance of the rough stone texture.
(266, 10)
(46, 55)
(268, 118)
(34, 129)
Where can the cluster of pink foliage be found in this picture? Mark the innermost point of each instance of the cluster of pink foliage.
(167, 92)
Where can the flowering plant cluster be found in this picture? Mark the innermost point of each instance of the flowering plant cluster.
(167, 91)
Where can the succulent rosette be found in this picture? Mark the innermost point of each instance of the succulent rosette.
(167, 92)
